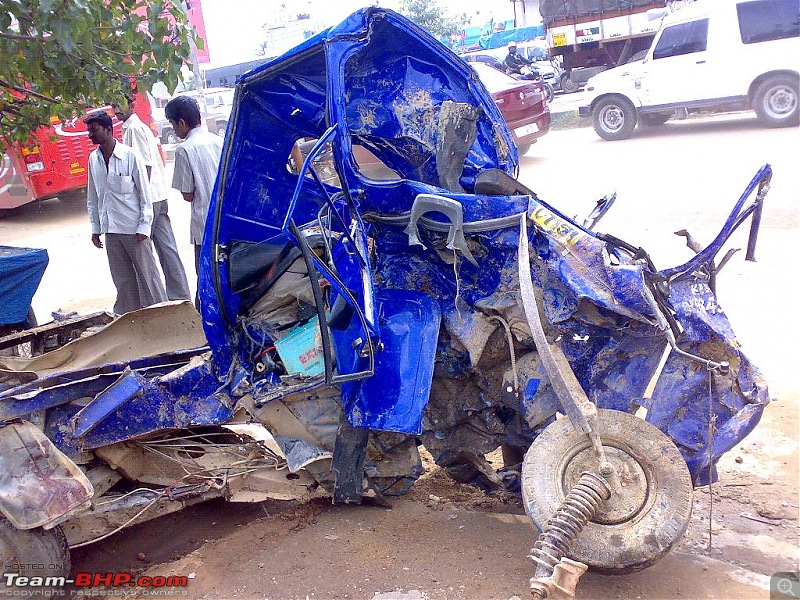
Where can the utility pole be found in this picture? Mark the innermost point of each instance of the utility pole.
(199, 80)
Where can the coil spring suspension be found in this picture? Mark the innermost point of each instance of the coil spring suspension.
(563, 527)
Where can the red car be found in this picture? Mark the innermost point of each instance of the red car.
(522, 102)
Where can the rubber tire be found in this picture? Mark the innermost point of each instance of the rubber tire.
(654, 119)
(35, 546)
(549, 92)
(523, 149)
(629, 545)
(784, 89)
(618, 110)
(568, 86)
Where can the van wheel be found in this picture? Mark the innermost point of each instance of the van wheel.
(522, 149)
(22, 550)
(637, 525)
(614, 118)
(775, 101)
(654, 119)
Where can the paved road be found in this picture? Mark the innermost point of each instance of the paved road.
(78, 278)
(567, 102)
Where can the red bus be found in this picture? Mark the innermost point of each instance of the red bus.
(56, 163)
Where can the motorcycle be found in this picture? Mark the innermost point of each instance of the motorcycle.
(410, 292)
(532, 74)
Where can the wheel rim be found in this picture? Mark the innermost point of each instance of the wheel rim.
(653, 505)
(636, 479)
(568, 85)
(612, 118)
(780, 101)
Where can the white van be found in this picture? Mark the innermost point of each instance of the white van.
(219, 102)
(710, 54)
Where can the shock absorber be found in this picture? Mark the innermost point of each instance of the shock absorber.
(561, 529)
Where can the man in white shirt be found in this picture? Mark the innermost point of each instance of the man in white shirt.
(196, 163)
(138, 136)
(120, 207)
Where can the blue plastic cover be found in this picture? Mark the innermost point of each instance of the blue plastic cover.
(21, 271)
(518, 34)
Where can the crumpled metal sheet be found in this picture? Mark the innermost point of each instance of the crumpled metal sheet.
(158, 329)
(688, 397)
(137, 405)
(580, 262)
(38, 484)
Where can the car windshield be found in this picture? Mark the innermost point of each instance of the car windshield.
(535, 52)
(493, 79)
(637, 57)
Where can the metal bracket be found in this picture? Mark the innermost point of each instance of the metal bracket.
(581, 411)
(452, 209)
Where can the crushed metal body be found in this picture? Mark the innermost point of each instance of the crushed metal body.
(406, 249)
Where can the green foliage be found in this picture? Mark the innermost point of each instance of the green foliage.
(59, 57)
(430, 16)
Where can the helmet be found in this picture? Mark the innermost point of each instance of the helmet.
(512, 45)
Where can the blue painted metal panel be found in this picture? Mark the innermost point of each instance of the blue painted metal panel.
(141, 406)
(376, 64)
(394, 398)
(61, 388)
(125, 388)
(688, 396)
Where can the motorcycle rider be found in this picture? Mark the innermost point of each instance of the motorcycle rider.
(518, 64)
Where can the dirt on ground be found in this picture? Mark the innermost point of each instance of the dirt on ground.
(445, 540)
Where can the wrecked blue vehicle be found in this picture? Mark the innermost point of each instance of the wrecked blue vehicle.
(373, 278)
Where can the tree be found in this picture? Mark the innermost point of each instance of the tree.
(60, 57)
(430, 16)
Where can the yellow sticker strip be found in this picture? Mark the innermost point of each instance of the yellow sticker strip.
(563, 231)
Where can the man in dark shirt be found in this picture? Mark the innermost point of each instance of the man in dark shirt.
(516, 63)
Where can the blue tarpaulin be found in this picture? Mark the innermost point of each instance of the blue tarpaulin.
(472, 36)
(518, 34)
(21, 271)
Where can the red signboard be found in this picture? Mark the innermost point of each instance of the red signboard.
(195, 10)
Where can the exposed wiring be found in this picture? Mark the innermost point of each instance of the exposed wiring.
(510, 340)
(124, 525)
(248, 456)
(131, 493)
